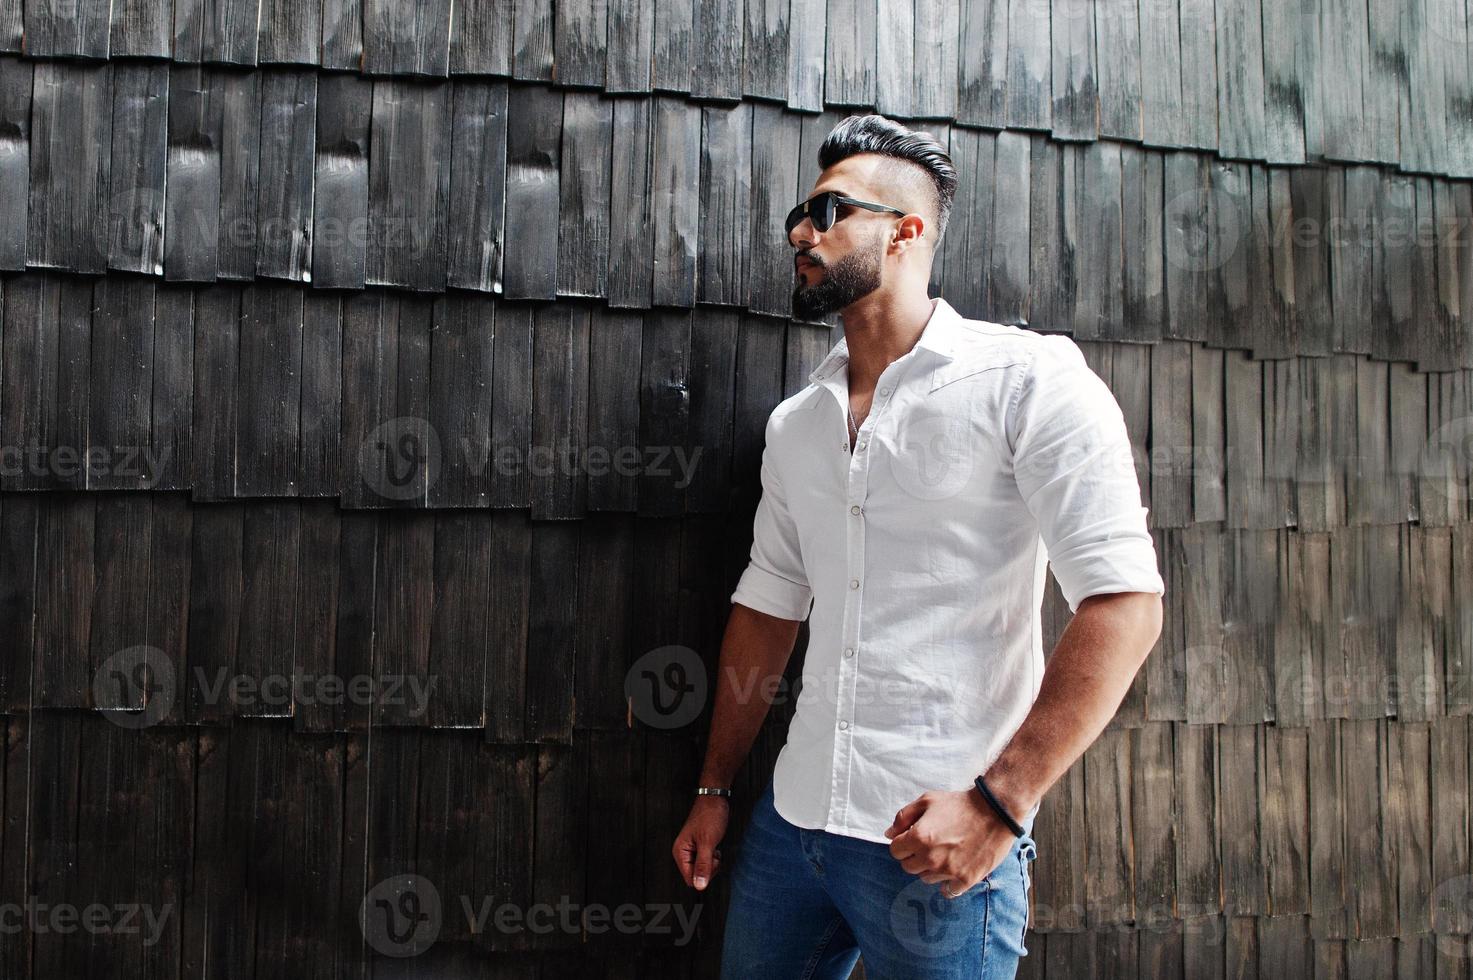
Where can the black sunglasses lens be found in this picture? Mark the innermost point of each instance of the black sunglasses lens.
(823, 212)
(821, 209)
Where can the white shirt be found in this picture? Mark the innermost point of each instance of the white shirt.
(988, 451)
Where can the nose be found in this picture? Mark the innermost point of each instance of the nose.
(807, 234)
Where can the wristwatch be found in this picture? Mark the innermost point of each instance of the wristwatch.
(713, 791)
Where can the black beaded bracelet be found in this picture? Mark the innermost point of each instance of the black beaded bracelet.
(1007, 818)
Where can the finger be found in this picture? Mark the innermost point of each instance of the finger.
(705, 867)
(684, 859)
(907, 815)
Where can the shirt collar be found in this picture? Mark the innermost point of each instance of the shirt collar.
(939, 337)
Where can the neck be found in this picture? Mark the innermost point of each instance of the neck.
(881, 329)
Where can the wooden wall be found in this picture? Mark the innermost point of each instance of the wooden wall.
(321, 284)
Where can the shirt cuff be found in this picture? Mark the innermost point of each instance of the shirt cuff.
(1116, 557)
(770, 593)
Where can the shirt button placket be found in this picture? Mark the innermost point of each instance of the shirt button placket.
(848, 667)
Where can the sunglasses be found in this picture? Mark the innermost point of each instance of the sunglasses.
(824, 210)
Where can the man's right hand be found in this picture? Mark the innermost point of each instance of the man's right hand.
(696, 852)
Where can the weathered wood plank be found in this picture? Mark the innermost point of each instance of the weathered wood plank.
(290, 32)
(1059, 884)
(1192, 290)
(1199, 82)
(1051, 269)
(508, 625)
(850, 67)
(631, 47)
(631, 246)
(560, 369)
(806, 69)
(77, 29)
(1387, 83)
(1030, 90)
(896, 92)
(390, 452)
(534, 133)
(580, 43)
(1209, 436)
(766, 47)
(1163, 119)
(1242, 131)
(216, 593)
(172, 412)
(476, 216)
(936, 55)
(511, 404)
(239, 97)
(340, 182)
(1008, 282)
(1285, 819)
(1075, 87)
(613, 410)
(319, 467)
(1117, 25)
(983, 64)
(1328, 880)
(1166, 667)
(603, 659)
(1143, 231)
(551, 632)
(217, 31)
(703, 462)
(408, 190)
(15, 159)
(675, 165)
(71, 132)
(726, 207)
(1094, 225)
(316, 620)
(665, 406)
(774, 185)
(192, 228)
(216, 392)
(1198, 866)
(136, 173)
(19, 514)
(1109, 830)
(1344, 24)
(269, 391)
(1287, 63)
(461, 364)
(342, 35)
(406, 38)
(968, 240)
(1153, 814)
(481, 42)
(1372, 883)
(532, 41)
(583, 215)
(288, 145)
(119, 409)
(139, 29)
(271, 536)
(1409, 821)
(717, 36)
(403, 613)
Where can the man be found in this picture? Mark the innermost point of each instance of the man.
(915, 494)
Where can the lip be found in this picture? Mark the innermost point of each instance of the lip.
(802, 264)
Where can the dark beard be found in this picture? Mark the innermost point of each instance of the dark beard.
(850, 279)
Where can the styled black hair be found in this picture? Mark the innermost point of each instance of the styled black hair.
(873, 133)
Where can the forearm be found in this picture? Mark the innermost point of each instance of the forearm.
(1088, 675)
(754, 654)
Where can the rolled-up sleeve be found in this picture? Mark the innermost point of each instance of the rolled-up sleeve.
(1074, 469)
(774, 581)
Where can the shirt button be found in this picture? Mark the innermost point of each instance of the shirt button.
(863, 443)
(843, 725)
(854, 583)
(884, 391)
(848, 651)
(854, 509)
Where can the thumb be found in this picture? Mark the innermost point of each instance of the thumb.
(706, 864)
(907, 816)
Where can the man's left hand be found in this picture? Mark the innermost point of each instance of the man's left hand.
(951, 837)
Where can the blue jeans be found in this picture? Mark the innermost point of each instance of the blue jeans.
(806, 903)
